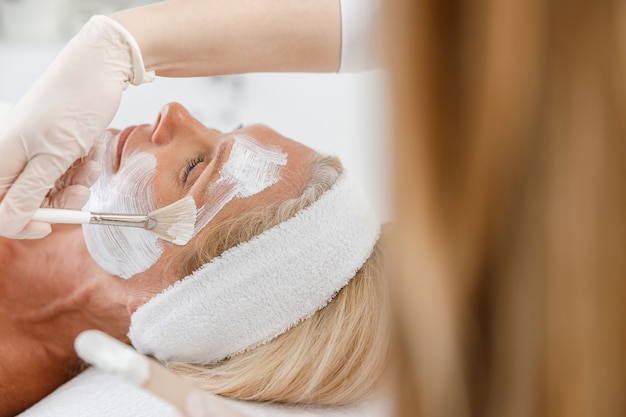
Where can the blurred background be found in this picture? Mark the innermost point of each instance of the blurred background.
(340, 114)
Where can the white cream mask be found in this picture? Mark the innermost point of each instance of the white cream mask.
(250, 169)
(124, 251)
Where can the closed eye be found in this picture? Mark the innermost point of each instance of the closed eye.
(190, 165)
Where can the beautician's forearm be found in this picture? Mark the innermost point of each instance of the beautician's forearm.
(181, 38)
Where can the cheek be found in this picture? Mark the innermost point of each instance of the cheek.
(124, 251)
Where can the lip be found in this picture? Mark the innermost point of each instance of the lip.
(121, 143)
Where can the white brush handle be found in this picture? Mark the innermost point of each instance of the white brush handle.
(60, 216)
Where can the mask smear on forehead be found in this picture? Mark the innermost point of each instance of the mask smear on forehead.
(124, 251)
(251, 168)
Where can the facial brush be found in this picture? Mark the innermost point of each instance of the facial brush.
(174, 223)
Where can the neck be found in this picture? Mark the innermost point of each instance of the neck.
(50, 291)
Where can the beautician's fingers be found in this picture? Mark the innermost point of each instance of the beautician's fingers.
(61, 117)
(85, 171)
(73, 197)
(71, 191)
(203, 404)
(21, 201)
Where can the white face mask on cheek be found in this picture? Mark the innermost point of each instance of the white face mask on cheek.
(124, 251)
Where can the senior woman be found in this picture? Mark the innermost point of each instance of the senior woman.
(105, 278)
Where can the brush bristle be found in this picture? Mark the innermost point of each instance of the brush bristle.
(175, 223)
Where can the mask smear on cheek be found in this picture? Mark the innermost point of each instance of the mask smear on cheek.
(250, 169)
(124, 251)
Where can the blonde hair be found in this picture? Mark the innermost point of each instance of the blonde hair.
(335, 357)
(510, 157)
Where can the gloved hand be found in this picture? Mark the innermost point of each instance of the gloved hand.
(71, 191)
(60, 117)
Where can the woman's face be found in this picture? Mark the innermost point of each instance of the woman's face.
(151, 166)
(189, 157)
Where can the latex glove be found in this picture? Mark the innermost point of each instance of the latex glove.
(60, 117)
(71, 191)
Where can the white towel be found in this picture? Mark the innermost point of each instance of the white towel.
(98, 394)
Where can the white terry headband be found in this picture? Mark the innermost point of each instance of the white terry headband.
(261, 288)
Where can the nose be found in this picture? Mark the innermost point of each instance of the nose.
(172, 117)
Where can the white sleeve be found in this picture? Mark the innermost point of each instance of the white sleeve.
(359, 35)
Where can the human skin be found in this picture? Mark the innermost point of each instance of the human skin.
(51, 289)
(183, 38)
